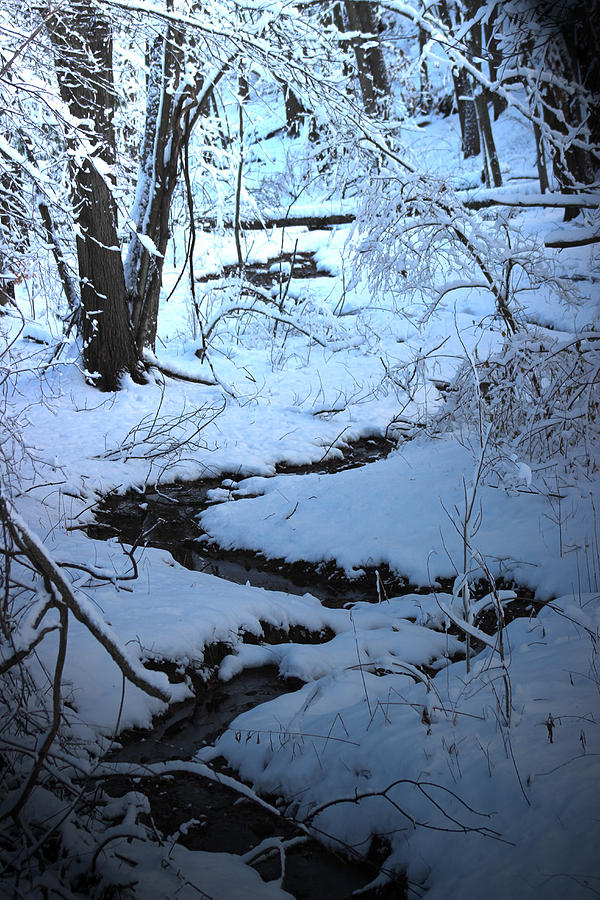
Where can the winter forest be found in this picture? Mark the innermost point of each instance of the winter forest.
(299, 449)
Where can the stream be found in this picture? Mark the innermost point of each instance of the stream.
(167, 518)
(221, 820)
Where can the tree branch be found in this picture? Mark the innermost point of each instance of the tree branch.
(79, 606)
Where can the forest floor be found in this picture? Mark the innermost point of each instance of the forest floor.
(478, 781)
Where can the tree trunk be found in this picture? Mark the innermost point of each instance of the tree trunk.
(15, 216)
(494, 56)
(337, 19)
(173, 107)
(295, 111)
(567, 49)
(69, 286)
(374, 53)
(157, 178)
(109, 350)
(540, 158)
(572, 166)
(80, 35)
(12, 223)
(467, 115)
(370, 63)
(492, 166)
(424, 85)
(581, 36)
(471, 144)
(487, 139)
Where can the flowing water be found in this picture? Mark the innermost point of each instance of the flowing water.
(167, 518)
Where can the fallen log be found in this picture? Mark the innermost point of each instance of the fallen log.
(564, 243)
(482, 200)
(485, 199)
(311, 222)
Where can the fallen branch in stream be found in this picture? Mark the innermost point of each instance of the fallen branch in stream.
(191, 767)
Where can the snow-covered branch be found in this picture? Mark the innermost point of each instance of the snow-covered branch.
(149, 682)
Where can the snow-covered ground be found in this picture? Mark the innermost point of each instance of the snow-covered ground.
(483, 783)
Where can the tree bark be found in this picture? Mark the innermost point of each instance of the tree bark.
(487, 144)
(540, 159)
(14, 228)
(494, 56)
(173, 107)
(467, 115)
(424, 85)
(82, 42)
(570, 101)
(487, 139)
(157, 178)
(370, 62)
(109, 350)
(120, 303)
(471, 144)
(295, 111)
(571, 165)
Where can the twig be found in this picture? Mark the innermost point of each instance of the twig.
(25, 791)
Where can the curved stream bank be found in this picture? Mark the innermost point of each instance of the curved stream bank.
(206, 815)
(209, 816)
(167, 518)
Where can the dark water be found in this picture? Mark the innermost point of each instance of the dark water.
(167, 518)
(224, 822)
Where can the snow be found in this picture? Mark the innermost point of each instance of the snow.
(407, 522)
(485, 803)
(182, 872)
(548, 838)
(531, 197)
(390, 642)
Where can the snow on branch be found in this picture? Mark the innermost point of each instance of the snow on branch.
(459, 56)
(481, 199)
(563, 238)
(150, 682)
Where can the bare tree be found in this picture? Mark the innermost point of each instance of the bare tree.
(551, 49)
(567, 102)
(187, 57)
(494, 58)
